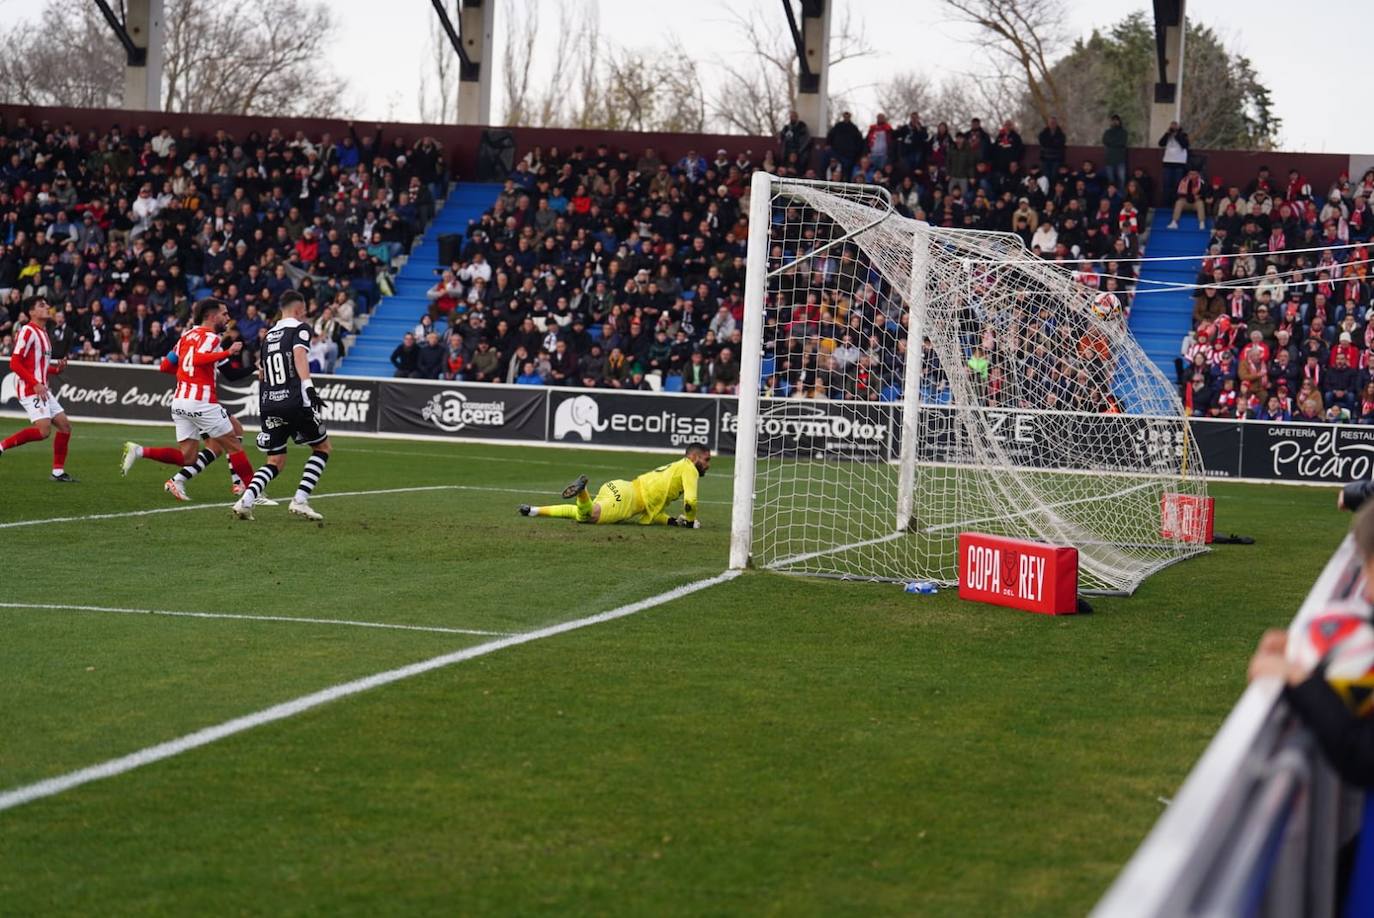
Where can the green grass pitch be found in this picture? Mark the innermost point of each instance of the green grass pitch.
(770, 745)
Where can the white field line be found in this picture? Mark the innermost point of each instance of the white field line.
(28, 793)
(183, 508)
(797, 559)
(250, 618)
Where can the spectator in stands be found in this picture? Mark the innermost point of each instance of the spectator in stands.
(1189, 194)
(1115, 150)
(912, 143)
(406, 358)
(431, 359)
(1053, 148)
(845, 143)
(879, 141)
(1176, 151)
(796, 142)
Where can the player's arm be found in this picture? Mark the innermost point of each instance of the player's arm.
(690, 476)
(300, 355)
(19, 365)
(168, 365)
(202, 358)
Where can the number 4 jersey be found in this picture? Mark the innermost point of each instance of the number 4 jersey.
(281, 385)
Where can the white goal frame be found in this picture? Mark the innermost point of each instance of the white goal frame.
(1120, 554)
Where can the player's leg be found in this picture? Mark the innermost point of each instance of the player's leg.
(613, 504)
(558, 511)
(580, 511)
(240, 468)
(196, 420)
(276, 461)
(308, 430)
(310, 477)
(59, 446)
(40, 424)
(169, 455)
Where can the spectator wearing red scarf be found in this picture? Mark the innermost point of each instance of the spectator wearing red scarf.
(1345, 348)
(879, 141)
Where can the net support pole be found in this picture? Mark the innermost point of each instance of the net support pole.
(747, 431)
(911, 380)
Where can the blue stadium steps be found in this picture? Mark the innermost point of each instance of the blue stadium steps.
(1160, 320)
(370, 354)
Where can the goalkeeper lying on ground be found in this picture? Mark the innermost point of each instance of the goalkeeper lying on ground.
(642, 500)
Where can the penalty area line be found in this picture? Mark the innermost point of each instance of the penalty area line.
(28, 793)
(250, 618)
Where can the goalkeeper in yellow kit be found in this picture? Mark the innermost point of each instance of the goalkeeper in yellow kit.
(643, 500)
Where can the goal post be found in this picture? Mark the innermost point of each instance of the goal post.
(746, 438)
(911, 379)
(902, 382)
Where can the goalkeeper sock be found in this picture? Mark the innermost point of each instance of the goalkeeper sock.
(584, 505)
(562, 511)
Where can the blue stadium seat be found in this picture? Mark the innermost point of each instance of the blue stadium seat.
(672, 383)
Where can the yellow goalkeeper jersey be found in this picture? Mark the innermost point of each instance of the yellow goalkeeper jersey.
(666, 484)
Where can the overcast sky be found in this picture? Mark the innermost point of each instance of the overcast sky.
(1300, 57)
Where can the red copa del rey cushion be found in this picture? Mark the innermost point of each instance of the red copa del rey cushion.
(1018, 573)
(1187, 518)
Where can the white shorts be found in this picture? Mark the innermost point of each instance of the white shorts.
(39, 409)
(199, 419)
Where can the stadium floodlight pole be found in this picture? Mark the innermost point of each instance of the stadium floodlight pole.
(747, 431)
(911, 380)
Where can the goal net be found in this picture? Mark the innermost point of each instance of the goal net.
(916, 382)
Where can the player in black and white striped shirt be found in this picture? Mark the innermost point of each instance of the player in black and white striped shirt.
(289, 410)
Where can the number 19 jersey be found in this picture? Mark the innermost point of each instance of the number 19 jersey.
(281, 384)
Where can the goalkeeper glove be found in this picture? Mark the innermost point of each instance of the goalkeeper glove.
(683, 522)
(313, 398)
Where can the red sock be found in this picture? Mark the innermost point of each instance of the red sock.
(59, 450)
(242, 467)
(19, 438)
(168, 454)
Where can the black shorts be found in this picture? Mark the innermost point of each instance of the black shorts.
(284, 425)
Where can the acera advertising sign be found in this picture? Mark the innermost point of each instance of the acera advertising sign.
(463, 411)
(631, 419)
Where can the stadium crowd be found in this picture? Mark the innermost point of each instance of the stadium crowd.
(611, 268)
(122, 230)
(1281, 317)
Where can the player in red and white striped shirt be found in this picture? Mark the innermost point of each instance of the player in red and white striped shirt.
(196, 410)
(31, 362)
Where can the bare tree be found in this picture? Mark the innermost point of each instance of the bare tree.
(757, 88)
(1022, 37)
(68, 57)
(531, 100)
(906, 92)
(438, 96)
(255, 57)
(957, 99)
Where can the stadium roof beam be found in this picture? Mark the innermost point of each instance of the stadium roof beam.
(812, 39)
(472, 40)
(1170, 19)
(140, 31)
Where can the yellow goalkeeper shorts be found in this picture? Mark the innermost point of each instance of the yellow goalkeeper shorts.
(618, 502)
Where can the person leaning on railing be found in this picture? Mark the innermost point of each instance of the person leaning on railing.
(1347, 740)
